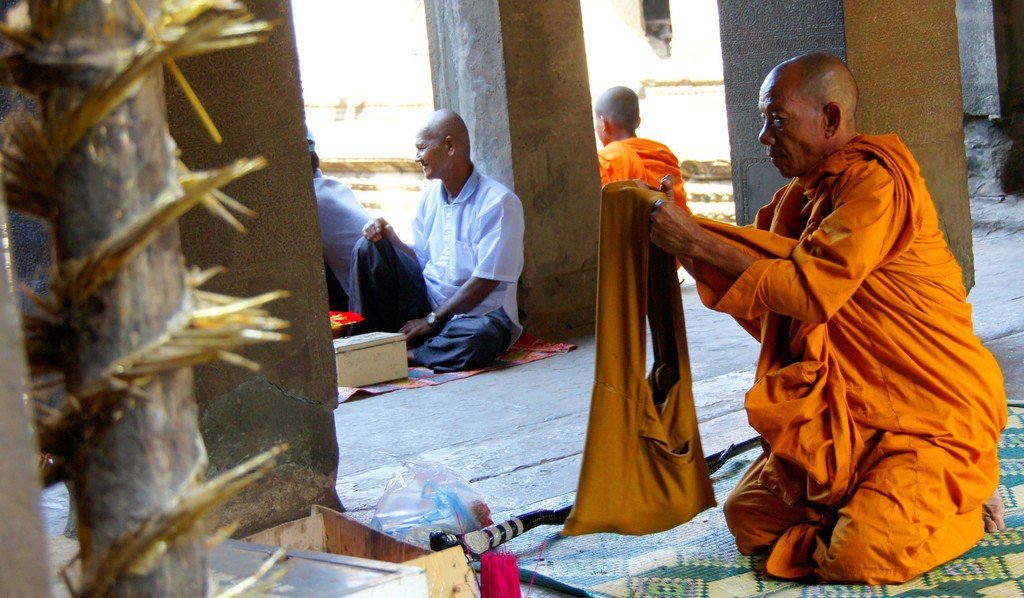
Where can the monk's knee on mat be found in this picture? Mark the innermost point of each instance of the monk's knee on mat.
(746, 522)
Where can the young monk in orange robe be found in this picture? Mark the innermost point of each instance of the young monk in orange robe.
(878, 407)
(625, 156)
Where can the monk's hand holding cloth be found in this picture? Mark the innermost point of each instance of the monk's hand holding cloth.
(668, 187)
(673, 230)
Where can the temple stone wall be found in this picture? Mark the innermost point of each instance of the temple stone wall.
(882, 44)
(1008, 21)
(514, 71)
(978, 57)
(253, 95)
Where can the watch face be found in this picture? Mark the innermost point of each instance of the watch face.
(431, 319)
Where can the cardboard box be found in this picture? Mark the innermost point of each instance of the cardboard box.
(448, 571)
(371, 358)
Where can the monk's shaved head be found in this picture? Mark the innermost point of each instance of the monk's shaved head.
(823, 78)
(621, 107)
(808, 105)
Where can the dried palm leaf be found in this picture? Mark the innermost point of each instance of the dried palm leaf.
(242, 30)
(179, 77)
(216, 202)
(29, 167)
(42, 344)
(197, 278)
(48, 16)
(82, 277)
(110, 93)
(137, 550)
(180, 12)
(237, 36)
(259, 582)
(58, 430)
(24, 40)
(208, 334)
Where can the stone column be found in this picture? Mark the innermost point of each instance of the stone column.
(908, 86)
(516, 71)
(992, 72)
(914, 43)
(755, 37)
(1009, 33)
(978, 57)
(23, 558)
(254, 97)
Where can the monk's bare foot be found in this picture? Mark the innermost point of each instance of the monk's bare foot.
(993, 513)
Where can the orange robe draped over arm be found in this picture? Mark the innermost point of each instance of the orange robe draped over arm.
(879, 407)
(644, 159)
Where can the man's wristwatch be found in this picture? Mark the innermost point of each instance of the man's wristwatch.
(433, 321)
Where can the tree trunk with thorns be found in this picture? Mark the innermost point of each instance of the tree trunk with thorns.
(138, 456)
(125, 322)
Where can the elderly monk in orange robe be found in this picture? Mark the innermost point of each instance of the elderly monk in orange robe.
(625, 156)
(878, 408)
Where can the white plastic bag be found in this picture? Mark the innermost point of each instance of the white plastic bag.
(429, 497)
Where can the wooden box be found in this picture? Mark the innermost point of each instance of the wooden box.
(371, 358)
(448, 571)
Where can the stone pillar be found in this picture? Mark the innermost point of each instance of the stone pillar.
(882, 43)
(755, 37)
(254, 97)
(516, 71)
(1008, 22)
(885, 44)
(978, 57)
(23, 557)
(1009, 40)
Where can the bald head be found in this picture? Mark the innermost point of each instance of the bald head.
(823, 79)
(616, 114)
(442, 149)
(808, 104)
(621, 106)
(447, 124)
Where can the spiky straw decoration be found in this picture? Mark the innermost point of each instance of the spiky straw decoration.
(73, 99)
(216, 325)
(80, 279)
(36, 150)
(259, 581)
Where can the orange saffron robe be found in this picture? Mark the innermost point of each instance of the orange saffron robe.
(644, 159)
(879, 409)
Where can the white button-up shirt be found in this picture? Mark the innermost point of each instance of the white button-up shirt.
(478, 233)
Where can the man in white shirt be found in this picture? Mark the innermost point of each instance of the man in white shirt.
(453, 292)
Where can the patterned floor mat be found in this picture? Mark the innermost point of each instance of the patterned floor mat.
(527, 349)
(699, 559)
